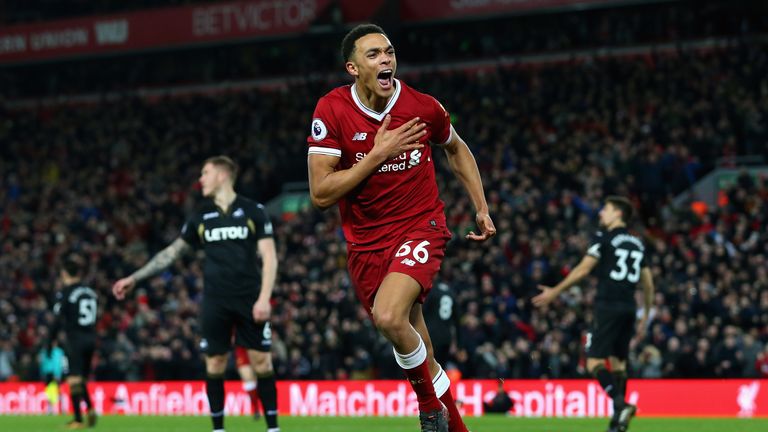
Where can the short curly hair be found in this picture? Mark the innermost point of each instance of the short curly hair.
(348, 43)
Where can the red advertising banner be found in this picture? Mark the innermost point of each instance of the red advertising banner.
(157, 28)
(532, 398)
(358, 11)
(428, 10)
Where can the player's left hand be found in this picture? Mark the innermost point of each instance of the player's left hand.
(485, 226)
(547, 295)
(261, 310)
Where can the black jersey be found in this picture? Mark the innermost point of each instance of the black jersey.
(441, 313)
(621, 256)
(76, 309)
(230, 241)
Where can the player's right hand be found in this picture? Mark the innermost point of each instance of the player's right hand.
(121, 287)
(392, 143)
(547, 295)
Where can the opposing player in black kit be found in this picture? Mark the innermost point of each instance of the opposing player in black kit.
(620, 261)
(234, 232)
(441, 313)
(76, 310)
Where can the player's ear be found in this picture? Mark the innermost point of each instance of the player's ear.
(351, 68)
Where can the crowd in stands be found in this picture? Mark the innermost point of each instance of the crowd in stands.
(114, 180)
(26, 11)
(300, 56)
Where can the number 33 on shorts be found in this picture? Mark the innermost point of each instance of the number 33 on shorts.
(419, 253)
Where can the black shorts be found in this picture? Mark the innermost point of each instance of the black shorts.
(79, 350)
(612, 330)
(220, 316)
(442, 352)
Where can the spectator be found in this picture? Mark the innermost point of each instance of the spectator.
(501, 402)
(750, 350)
(7, 360)
(649, 363)
(761, 364)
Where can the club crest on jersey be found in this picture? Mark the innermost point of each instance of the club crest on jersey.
(238, 213)
(319, 131)
(415, 158)
(226, 233)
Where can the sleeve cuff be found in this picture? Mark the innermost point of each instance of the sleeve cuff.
(324, 151)
(447, 140)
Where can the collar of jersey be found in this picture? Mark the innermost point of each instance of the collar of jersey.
(229, 210)
(371, 113)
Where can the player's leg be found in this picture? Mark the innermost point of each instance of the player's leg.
(440, 379)
(596, 366)
(619, 371)
(216, 343)
(601, 343)
(87, 348)
(248, 378)
(387, 295)
(257, 339)
(598, 350)
(624, 412)
(262, 363)
(215, 366)
(75, 383)
(391, 315)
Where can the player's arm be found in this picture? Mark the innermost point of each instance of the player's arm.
(327, 185)
(262, 308)
(578, 273)
(58, 317)
(646, 282)
(463, 164)
(160, 261)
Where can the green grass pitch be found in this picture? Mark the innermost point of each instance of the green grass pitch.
(379, 424)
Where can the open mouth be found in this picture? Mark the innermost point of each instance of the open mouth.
(385, 79)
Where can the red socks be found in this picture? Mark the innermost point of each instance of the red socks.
(416, 369)
(250, 387)
(442, 386)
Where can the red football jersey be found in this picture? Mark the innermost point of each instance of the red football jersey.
(403, 192)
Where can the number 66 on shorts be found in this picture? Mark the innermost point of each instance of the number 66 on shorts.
(420, 252)
(418, 255)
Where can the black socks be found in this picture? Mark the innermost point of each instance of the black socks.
(214, 386)
(268, 394)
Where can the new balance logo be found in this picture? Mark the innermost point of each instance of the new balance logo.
(409, 262)
(360, 136)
